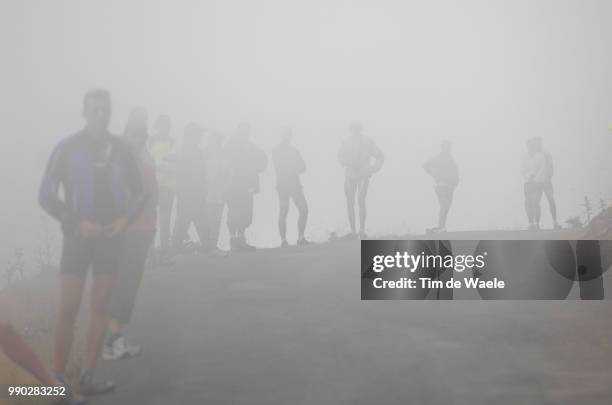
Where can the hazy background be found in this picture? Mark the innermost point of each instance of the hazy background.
(485, 74)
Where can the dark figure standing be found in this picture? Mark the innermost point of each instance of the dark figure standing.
(289, 165)
(190, 187)
(361, 159)
(245, 162)
(445, 173)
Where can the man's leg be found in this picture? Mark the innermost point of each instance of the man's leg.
(19, 352)
(528, 190)
(299, 199)
(166, 201)
(182, 222)
(214, 215)
(537, 200)
(550, 197)
(445, 197)
(283, 210)
(70, 293)
(350, 191)
(362, 195)
(101, 289)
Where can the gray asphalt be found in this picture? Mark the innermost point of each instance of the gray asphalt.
(288, 327)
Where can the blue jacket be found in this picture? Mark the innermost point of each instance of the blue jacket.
(99, 178)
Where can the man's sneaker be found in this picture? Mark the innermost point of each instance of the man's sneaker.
(120, 349)
(240, 244)
(89, 387)
(216, 252)
(303, 242)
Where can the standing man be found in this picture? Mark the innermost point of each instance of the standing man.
(443, 169)
(289, 165)
(164, 156)
(546, 177)
(361, 158)
(101, 194)
(245, 162)
(191, 187)
(137, 241)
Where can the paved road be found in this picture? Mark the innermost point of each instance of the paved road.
(288, 327)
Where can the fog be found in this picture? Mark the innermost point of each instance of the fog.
(486, 75)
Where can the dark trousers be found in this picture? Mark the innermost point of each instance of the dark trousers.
(239, 212)
(132, 262)
(189, 210)
(214, 212)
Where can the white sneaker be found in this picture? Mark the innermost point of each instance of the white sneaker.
(120, 349)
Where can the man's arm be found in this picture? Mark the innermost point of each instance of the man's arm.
(48, 194)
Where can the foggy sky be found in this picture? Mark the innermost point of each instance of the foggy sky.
(486, 75)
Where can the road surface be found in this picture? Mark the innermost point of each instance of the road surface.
(288, 327)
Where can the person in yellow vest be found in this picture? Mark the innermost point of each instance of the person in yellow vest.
(163, 152)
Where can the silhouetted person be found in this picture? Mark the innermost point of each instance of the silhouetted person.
(289, 165)
(547, 175)
(361, 158)
(190, 187)
(245, 162)
(139, 237)
(92, 186)
(536, 170)
(445, 173)
(217, 177)
(164, 155)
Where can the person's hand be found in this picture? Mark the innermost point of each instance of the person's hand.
(89, 229)
(115, 228)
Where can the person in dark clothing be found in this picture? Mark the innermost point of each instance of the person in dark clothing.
(137, 241)
(101, 195)
(361, 159)
(289, 165)
(245, 162)
(445, 173)
(190, 187)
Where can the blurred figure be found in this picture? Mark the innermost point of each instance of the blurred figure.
(537, 173)
(443, 169)
(164, 156)
(14, 347)
(138, 239)
(289, 165)
(245, 162)
(216, 171)
(361, 158)
(190, 187)
(101, 194)
(547, 175)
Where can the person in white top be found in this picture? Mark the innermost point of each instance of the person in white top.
(361, 158)
(537, 170)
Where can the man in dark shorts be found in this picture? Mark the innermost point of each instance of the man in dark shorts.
(289, 165)
(101, 193)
